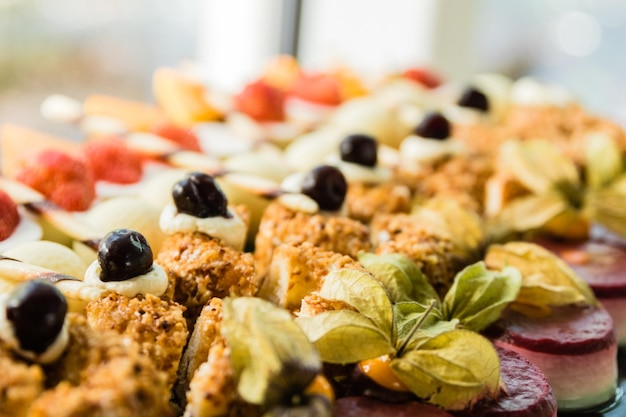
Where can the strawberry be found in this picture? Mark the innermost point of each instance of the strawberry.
(185, 138)
(261, 101)
(111, 160)
(9, 217)
(423, 76)
(318, 88)
(64, 180)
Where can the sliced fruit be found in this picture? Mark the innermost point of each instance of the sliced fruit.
(318, 88)
(282, 72)
(261, 101)
(135, 115)
(182, 99)
(18, 144)
(9, 217)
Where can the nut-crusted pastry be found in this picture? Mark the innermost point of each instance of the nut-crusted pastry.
(201, 267)
(157, 325)
(20, 384)
(203, 251)
(432, 250)
(297, 269)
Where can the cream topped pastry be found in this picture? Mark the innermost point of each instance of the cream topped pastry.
(33, 321)
(429, 142)
(125, 266)
(358, 160)
(201, 206)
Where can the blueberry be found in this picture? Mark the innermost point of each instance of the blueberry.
(124, 254)
(199, 195)
(37, 310)
(475, 99)
(433, 126)
(359, 149)
(327, 186)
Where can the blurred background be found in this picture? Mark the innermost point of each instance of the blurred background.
(78, 47)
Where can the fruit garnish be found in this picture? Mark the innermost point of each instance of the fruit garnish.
(360, 149)
(426, 77)
(547, 281)
(37, 311)
(282, 72)
(434, 125)
(64, 180)
(181, 98)
(111, 160)
(428, 352)
(134, 115)
(274, 362)
(9, 217)
(184, 137)
(327, 186)
(560, 200)
(261, 101)
(318, 88)
(199, 195)
(124, 254)
(475, 99)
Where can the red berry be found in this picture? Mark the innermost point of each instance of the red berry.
(318, 88)
(9, 217)
(185, 138)
(261, 101)
(111, 160)
(425, 77)
(64, 180)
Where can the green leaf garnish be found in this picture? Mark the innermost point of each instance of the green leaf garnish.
(478, 296)
(345, 336)
(452, 370)
(546, 279)
(270, 353)
(362, 292)
(400, 276)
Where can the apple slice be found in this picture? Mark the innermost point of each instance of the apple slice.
(182, 99)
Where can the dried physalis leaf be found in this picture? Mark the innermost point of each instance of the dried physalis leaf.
(478, 295)
(546, 279)
(539, 166)
(431, 323)
(530, 212)
(603, 160)
(400, 276)
(271, 355)
(346, 336)
(607, 206)
(453, 370)
(463, 226)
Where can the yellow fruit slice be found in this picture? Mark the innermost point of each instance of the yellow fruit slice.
(135, 115)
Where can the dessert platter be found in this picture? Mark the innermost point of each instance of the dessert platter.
(315, 244)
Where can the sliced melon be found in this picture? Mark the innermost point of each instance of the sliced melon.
(135, 115)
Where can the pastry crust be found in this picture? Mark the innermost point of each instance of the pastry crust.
(199, 268)
(157, 325)
(280, 224)
(364, 201)
(20, 385)
(297, 269)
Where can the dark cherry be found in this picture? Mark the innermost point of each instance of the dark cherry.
(124, 254)
(327, 186)
(360, 149)
(475, 99)
(37, 310)
(199, 195)
(433, 126)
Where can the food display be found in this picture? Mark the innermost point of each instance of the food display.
(315, 245)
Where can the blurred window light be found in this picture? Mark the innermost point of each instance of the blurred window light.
(578, 33)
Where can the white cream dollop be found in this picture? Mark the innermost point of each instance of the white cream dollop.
(51, 354)
(416, 149)
(356, 173)
(230, 230)
(152, 282)
(528, 91)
